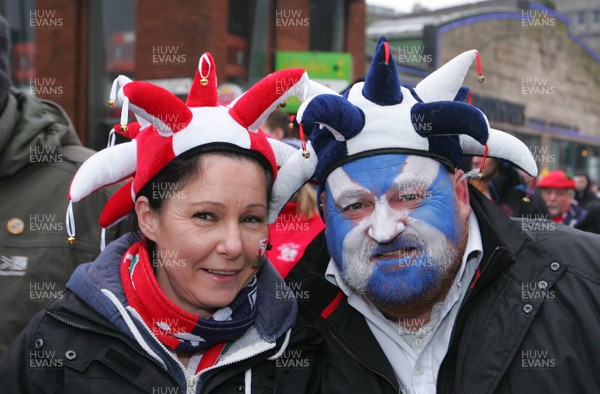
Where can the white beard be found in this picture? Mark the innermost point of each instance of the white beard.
(442, 255)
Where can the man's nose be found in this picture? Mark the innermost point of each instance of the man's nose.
(385, 225)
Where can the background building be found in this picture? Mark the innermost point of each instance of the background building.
(584, 19)
(542, 82)
(71, 50)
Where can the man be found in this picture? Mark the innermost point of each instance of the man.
(39, 154)
(276, 124)
(558, 191)
(423, 285)
(501, 183)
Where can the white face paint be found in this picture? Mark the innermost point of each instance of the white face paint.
(391, 225)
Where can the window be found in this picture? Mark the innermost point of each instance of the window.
(240, 17)
(327, 25)
(22, 35)
(581, 17)
(596, 16)
(112, 53)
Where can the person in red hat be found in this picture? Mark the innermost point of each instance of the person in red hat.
(558, 191)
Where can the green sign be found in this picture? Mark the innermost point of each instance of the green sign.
(332, 69)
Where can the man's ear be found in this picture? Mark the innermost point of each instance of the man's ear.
(147, 218)
(461, 193)
(323, 200)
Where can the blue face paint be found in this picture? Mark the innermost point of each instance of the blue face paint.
(439, 209)
(392, 225)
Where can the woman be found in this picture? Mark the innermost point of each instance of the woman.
(186, 304)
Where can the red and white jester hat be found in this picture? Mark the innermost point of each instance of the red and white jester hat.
(167, 127)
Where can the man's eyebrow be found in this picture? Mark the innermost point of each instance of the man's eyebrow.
(339, 182)
(408, 182)
(351, 194)
(418, 169)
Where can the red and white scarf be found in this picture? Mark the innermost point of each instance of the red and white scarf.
(177, 329)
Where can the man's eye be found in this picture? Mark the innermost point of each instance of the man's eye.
(354, 207)
(412, 196)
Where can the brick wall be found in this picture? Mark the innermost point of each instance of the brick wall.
(291, 38)
(188, 28)
(61, 53)
(170, 36)
(355, 40)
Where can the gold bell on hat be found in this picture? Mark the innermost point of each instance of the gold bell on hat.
(71, 240)
(124, 128)
(203, 81)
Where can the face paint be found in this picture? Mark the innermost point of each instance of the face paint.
(392, 226)
(263, 246)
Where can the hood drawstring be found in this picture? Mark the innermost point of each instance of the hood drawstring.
(103, 239)
(132, 327)
(248, 381)
(284, 346)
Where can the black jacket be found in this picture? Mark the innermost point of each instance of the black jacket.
(506, 338)
(82, 344)
(508, 191)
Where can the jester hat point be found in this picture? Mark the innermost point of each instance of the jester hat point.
(167, 128)
(380, 116)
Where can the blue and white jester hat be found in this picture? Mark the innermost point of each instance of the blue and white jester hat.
(381, 116)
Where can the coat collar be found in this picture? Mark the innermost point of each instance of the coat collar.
(512, 260)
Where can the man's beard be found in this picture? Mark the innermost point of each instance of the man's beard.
(553, 210)
(413, 284)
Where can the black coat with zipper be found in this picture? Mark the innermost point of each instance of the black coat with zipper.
(69, 348)
(82, 343)
(506, 338)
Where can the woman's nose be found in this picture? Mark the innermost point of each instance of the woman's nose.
(230, 243)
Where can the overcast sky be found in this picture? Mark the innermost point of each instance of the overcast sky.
(407, 5)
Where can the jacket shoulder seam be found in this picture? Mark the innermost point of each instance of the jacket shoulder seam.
(583, 275)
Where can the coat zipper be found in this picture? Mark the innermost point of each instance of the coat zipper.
(362, 363)
(460, 309)
(191, 380)
(462, 306)
(214, 367)
(106, 333)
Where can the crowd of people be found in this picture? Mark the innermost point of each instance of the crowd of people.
(558, 196)
(366, 259)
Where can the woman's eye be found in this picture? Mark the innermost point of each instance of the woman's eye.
(204, 216)
(253, 219)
